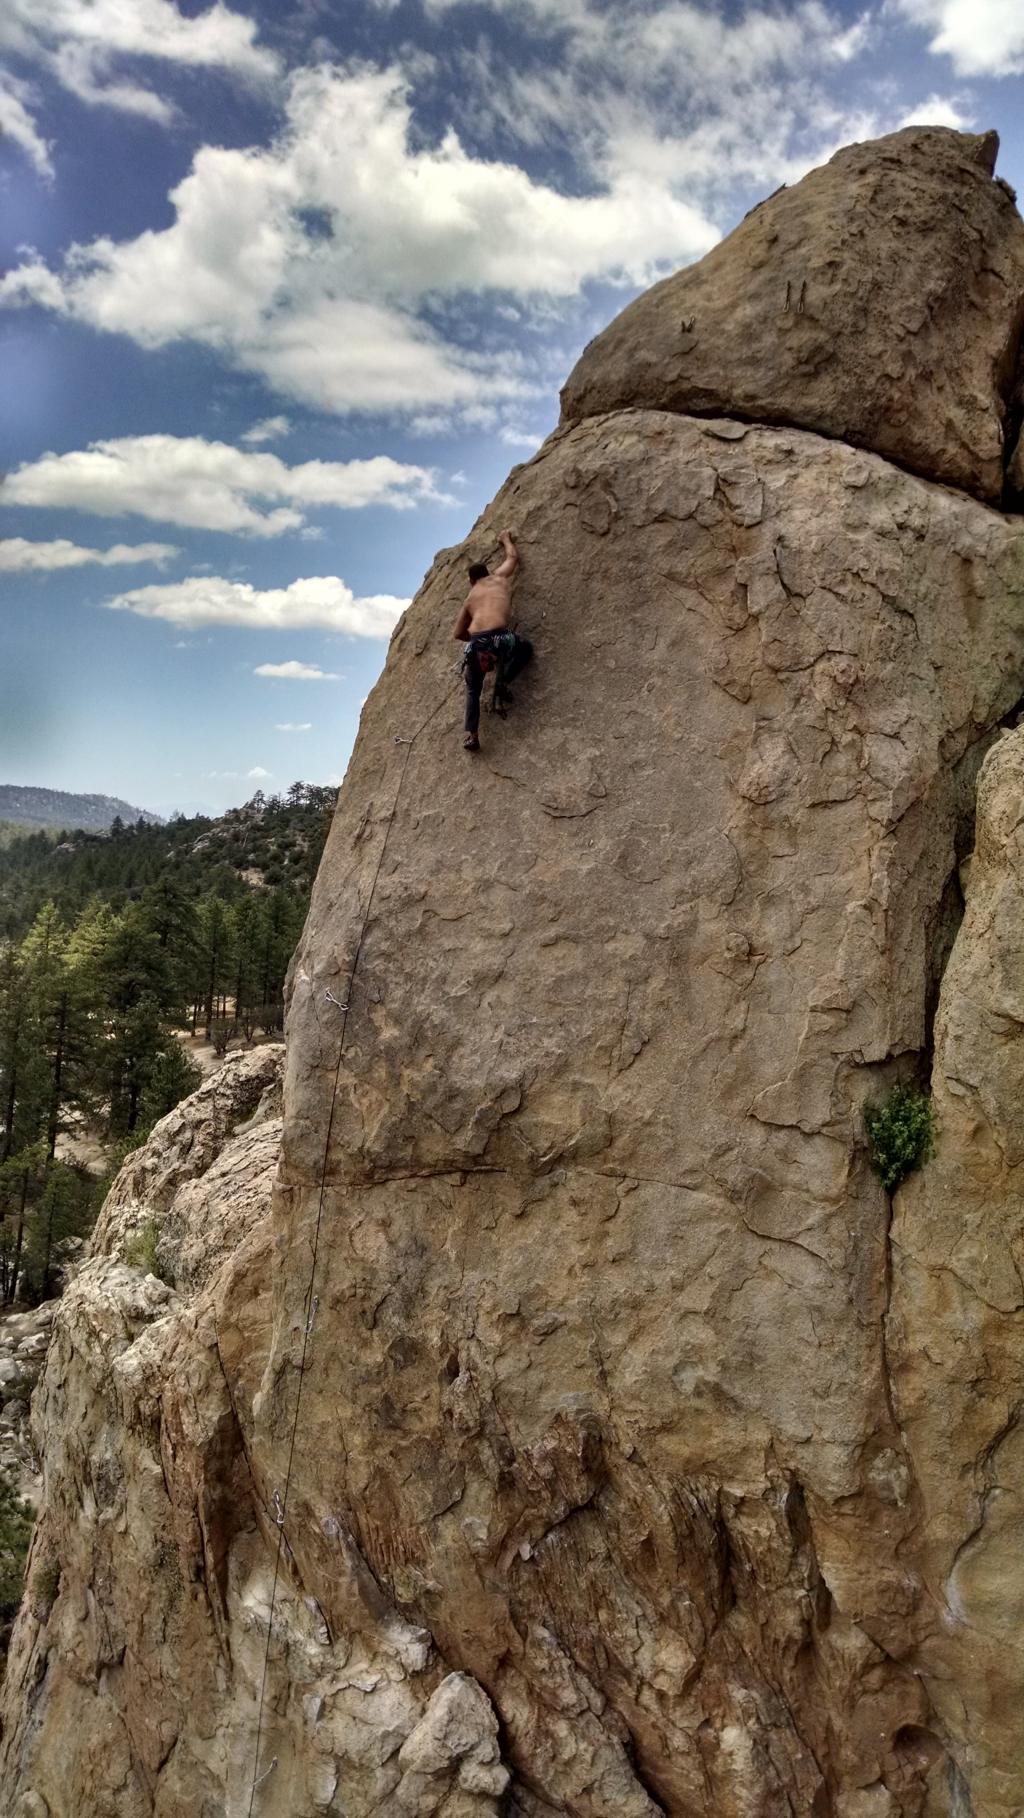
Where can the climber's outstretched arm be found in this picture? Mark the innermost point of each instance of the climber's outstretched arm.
(511, 562)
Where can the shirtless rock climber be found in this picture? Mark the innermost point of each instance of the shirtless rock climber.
(484, 622)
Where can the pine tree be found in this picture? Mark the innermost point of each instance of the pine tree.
(62, 988)
(214, 956)
(22, 1180)
(64, 1207)
(246, 943)
(173, 1076)
(171, 914)
(20, 1084)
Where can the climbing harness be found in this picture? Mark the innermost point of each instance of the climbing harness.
(279, 1502)
(490, 650)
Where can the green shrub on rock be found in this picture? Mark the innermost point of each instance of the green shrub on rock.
(16, 1518)
(901, 1134)
(140, 1249)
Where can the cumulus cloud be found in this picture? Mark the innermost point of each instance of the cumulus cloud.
(84, 46)
(938, 110)
(257, 774)
(324, 603)
(270, 429)
(20, 556)
(980, 37)
(363, 260)
(210, 485)
(296, 672)
(514, 437)
(294, 726)
(18, 125)
(309, 260)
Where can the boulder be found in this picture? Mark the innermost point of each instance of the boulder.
(879, 301)
(185, 1144)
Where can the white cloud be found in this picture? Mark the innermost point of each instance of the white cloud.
(514, 437)
(981, 37)
(85, 73)
(307, 261)
(17, 124)
(674, 93)
(270, 429)
(210, 485)
(19, 556)
(82, 44)
(293, 726)
(323, 603)
(296, 672)
(938, 110)
(345, 262)
(32, 282)
(257, 774)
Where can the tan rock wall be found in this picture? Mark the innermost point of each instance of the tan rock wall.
(598, 1386)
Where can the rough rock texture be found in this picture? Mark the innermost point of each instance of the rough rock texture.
(957, 1323)
(133, 1424)
(24, 1337)
(880, 301)
(137, 1664)
(602, 1396)
(617, 1475)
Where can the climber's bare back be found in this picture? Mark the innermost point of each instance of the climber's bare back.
(489, 605)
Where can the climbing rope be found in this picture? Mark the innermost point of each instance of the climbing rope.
(279, 1503)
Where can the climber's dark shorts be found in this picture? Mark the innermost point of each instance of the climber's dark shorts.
(507, 649)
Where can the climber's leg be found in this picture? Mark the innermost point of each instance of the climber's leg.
(517, 658)
(474, 684)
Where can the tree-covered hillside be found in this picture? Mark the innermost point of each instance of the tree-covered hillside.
(273, 842)
(113, 947)
(26, 806)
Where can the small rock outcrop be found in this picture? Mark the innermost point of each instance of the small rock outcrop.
(583, 1432)
(119, 1635)
(879, 301)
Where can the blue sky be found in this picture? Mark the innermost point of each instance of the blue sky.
(285, 291)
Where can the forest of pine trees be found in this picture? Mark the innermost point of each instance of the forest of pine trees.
(112, 946)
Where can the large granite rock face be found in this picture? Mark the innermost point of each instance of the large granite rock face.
(601, 1396)
(620, 1419)
(879, 301)
(957, 1319)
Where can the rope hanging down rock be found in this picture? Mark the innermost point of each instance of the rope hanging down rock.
(310, 1302)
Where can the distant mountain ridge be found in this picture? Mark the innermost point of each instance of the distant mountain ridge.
(31, 807)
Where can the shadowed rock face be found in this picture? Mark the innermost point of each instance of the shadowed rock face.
(957, 1324)
(617, 1485)
(878, 301)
